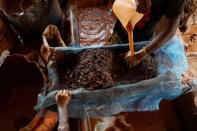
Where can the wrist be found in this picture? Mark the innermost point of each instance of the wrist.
(147, 50)
(143, 53)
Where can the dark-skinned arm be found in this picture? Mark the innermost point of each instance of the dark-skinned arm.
(161, 39)
(168, 32)
(172, 10)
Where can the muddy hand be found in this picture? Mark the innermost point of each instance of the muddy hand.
(134, 60)
(62, 99)
(52, 32)
(143, 6)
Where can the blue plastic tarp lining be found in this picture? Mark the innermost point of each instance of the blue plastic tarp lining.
(142, 96)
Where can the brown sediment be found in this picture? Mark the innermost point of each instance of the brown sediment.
(99, 68)
(92, 70)
(91, 3)
(147, 69)
(95, 19)
(95, 25)
(193, 38)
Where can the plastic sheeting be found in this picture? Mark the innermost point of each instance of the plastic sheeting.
(142, 96)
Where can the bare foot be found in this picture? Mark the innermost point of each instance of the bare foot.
(62, 99)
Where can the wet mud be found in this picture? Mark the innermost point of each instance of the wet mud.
(99, 69)
(96, 22)
(92, 70)
(95, 25)
(147, 69)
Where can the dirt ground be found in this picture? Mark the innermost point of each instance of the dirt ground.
(188, 32)
(189, 18)
(190, 39)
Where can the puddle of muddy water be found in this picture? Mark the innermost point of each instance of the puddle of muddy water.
(96, 25)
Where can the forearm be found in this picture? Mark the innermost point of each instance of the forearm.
(63, 118)
(169, 31)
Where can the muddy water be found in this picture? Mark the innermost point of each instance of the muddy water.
(95, 25)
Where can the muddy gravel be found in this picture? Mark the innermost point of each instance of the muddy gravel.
(99, 69)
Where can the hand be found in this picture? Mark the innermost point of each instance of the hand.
(63, 97)
(52, 32)
(143, 6)
(134, 60)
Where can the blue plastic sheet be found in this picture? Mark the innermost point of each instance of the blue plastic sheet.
(142, 96)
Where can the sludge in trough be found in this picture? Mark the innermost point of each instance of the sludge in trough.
(100, 68)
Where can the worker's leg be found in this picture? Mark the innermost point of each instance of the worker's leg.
(62, 99)
(45, 120)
